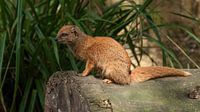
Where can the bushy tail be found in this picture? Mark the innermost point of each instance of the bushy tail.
(142, 74)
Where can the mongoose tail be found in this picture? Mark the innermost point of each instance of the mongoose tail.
(142, 74)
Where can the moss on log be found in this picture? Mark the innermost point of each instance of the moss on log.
(67, 92)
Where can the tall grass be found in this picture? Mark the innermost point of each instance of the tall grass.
(29, 54)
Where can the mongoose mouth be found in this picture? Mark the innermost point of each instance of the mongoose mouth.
(60, 40)
(64, 41)
(70, 43)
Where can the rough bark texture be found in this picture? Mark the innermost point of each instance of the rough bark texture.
(67, 92)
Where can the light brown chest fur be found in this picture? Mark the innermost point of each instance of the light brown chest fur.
(107, 55)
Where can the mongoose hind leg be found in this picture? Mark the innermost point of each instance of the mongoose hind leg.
(89, 66)
(108, 81)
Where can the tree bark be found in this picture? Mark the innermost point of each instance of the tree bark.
(68, 92)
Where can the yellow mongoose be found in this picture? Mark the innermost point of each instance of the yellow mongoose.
(108, 55)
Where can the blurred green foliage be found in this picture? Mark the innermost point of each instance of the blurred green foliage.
(29, 54)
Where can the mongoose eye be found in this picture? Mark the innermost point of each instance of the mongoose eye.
(63, 34)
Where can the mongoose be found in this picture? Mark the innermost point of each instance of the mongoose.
(110, 57)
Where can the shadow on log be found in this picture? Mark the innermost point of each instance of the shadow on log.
(67, 92)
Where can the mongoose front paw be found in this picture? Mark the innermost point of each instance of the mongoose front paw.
(81, 75)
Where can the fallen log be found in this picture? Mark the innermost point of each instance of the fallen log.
(68, 92)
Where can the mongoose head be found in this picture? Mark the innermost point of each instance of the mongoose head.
(68, 34)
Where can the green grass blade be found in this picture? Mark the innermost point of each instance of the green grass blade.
(156, 31)
(55, 47)
(183, 52)
(18, 51)
(145, 5)
(40, 91)
(192, 35)
(162, 46)
(182, 27)
(3, 15)
(2, 49)
(133, 48)
(187, 17)
(8, 64)
(31, 4)
(73, 20)
(32, 101)
(44, 44)
(25, 96)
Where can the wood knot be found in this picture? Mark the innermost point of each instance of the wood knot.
(194, 93)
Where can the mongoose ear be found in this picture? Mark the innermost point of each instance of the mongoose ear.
(75, 30)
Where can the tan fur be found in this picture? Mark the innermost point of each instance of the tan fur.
(108, 55)
(141, 74)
